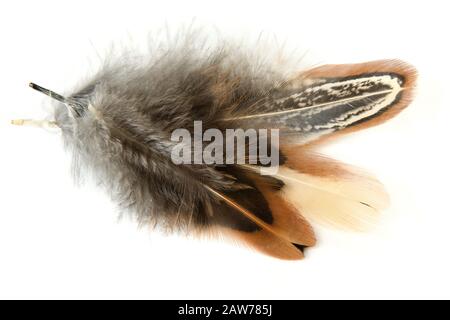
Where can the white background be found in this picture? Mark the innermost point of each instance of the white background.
(62, 241)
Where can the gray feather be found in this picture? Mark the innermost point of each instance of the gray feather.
(132, 105)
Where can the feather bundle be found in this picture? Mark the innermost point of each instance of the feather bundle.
(120, 124)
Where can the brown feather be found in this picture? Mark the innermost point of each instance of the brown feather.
(408, 72)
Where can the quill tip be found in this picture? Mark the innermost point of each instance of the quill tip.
(35, 123)
(18, 122)
(48, 92)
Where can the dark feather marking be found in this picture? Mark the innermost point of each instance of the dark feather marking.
(251, 199)
(300, 247)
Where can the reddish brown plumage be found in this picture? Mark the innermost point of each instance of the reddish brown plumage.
(408, 72)
(289, 225)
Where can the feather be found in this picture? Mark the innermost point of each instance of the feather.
(332, 98)
(120, 126)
